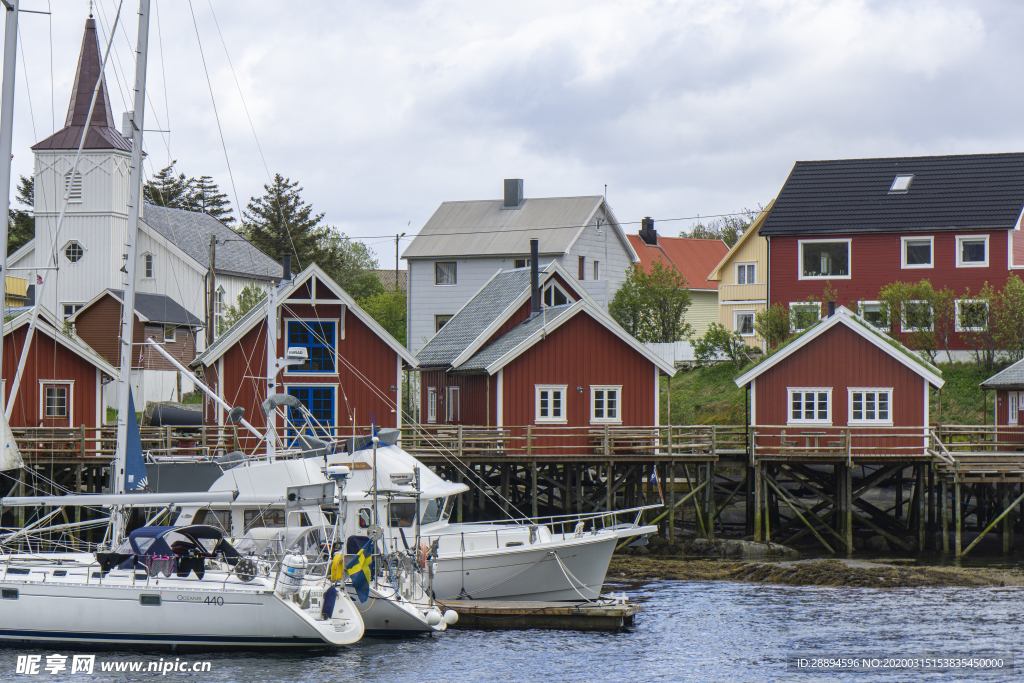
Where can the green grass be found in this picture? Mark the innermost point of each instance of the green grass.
(963, 401)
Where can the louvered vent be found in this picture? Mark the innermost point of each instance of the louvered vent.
(73, 188)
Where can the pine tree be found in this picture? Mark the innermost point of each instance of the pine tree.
(280, 222)
(22, 226)
(169, 189)
(207, 197)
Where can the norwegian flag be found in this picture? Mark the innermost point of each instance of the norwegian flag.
(39, 280)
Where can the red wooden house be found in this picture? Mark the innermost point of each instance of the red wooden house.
(860, 224)
(354, 370)
(842, 373)
(565, 365)
(1009, 387)
(63, 378)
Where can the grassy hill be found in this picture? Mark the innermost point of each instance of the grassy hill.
(710, 396)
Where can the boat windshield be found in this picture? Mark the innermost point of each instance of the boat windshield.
(434, 508)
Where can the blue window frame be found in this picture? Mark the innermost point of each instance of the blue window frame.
(319, 401)
(318, 340)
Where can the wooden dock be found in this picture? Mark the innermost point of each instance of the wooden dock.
(569, 616)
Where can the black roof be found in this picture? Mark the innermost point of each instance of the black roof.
(160, 308)
(970, 191)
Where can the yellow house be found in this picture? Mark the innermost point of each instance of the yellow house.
(742, 277)
(17, 291)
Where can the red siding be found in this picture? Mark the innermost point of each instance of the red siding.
(473, 397)
(875, 261)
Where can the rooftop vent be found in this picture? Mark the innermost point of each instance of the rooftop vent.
(647, 232)
(513, 193)
(901, 184)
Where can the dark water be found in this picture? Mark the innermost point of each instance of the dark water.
(687, 632)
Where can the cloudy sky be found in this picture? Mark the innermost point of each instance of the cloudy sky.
(382, 110)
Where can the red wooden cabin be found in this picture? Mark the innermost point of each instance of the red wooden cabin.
(62, 384)
(1008, 385)
(565, 370)
(856, 225)
(353, 375)
(841, 387)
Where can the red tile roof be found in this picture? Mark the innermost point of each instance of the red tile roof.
(693, 258)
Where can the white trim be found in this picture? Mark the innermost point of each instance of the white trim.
(617, 388)
(99, 398)
(431, 407)
(806, 390)
(956, 314)
(449, 391)
(927, 414)
(22, 251)
(917, 238)
(174, 332)
(657, 400)
(70, 405)
(804, 304)
(537, 388)
(737, 302)
(860, 305)
(73, 344)
(962, 264)
(455, 275)
(735, 326)
(288, 372)
(398, 393)
(736, 272)
(800, 259)
(315, 385)
(844, 316)
(864, 421)
(549, 285)
(64, 251)
(148, 265)
(220, 392)
(753, 402)
(918, 329)
(501, 399)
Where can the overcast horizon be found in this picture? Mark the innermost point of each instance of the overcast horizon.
(383, 111)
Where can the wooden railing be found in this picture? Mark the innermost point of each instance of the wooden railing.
(814, 442)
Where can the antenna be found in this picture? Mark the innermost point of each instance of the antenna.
(90, 9)
(605, 189)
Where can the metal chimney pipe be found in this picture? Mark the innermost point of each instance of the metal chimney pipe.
(286, 262)
(534, 278)
(831, 308)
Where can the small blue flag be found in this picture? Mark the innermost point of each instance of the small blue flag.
(134, 462)
(360, 569)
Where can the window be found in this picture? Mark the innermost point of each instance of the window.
(432, 405)
(440, 320)
(401, 514)
(597, 270)
(803, 315)
(71, 309)
(444, 273)
(365, 518)
(1013, 397)
(901, 184)
(823, 259)
(810, 406)
(917, 316)
(432, 510)
(522, 263)
(743, 322)
(218, 309)
(870, 406)
(917, 252)
(319, 401)
(73, 188)
(148, 261)
(582, 269)
(74, 252)
(554, 296)
(604, 404)
(257, 518)
(971, 315)
(452, 406)
(550, 403)
(971, 251)
(169, 333)
(875, 313)
(56, 402)
(746, 273)
(218, 518)
(318, 340)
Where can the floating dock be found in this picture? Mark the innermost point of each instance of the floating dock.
(571, 616)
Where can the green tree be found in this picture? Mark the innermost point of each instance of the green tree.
(22, 222)
(281, 222)
(1007, 318)
(250, 296)
(717, 342)
(651, 305)
(629, 306)
(351, 264)
(729, 229)
(168, 188)
(388, 309)
(972, 316)
(773, 324)
(908, 307)
(207, 197)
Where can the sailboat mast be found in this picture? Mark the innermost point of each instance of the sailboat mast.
(128, 313)
(7, 135)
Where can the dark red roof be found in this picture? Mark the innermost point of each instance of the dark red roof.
(694, 258)
(102, 133)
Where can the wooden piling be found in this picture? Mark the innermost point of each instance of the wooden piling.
(670, 486)
(957, 520)
(758, 503)
(533, 489)
(944, 514)
(921, 513)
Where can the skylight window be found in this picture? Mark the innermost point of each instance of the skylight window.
(901, 183)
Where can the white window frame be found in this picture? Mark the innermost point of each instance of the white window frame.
(438, 328)
(959, 251)
(617, 388)
(69, 404)
(76, 307)
(916, 238)
(173, 329)
(537, 389)
(431, 405)
(861, 304)
(68, 245)
(550, 286)
(864, 421)
(597, 270)
(452, 400)
(918, 329)
(292, 370)
(735, 322)
(803, 304)
(956, 313)
(745, 265)
(148, 266)
(1012, 406)
(800, 260)
(455, 274)
(803, 390)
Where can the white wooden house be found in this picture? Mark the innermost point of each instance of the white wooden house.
(466, 242)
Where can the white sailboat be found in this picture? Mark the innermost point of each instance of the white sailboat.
(197, 592)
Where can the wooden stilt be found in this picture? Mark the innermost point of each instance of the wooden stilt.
(848, 508)
(504, 487)
(758, 502)
(709, 501)
(944, 514)
(931, 507)
(921, 513)
(670, 492)
(1007, 525)
(533, 489)
(957, 520)
(78, 489)
(611, 483)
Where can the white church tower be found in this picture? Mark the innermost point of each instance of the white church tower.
(87, 255)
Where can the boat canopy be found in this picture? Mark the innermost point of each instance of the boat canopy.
(196, 540)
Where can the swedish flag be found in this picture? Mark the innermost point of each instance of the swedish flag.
(360, 569)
